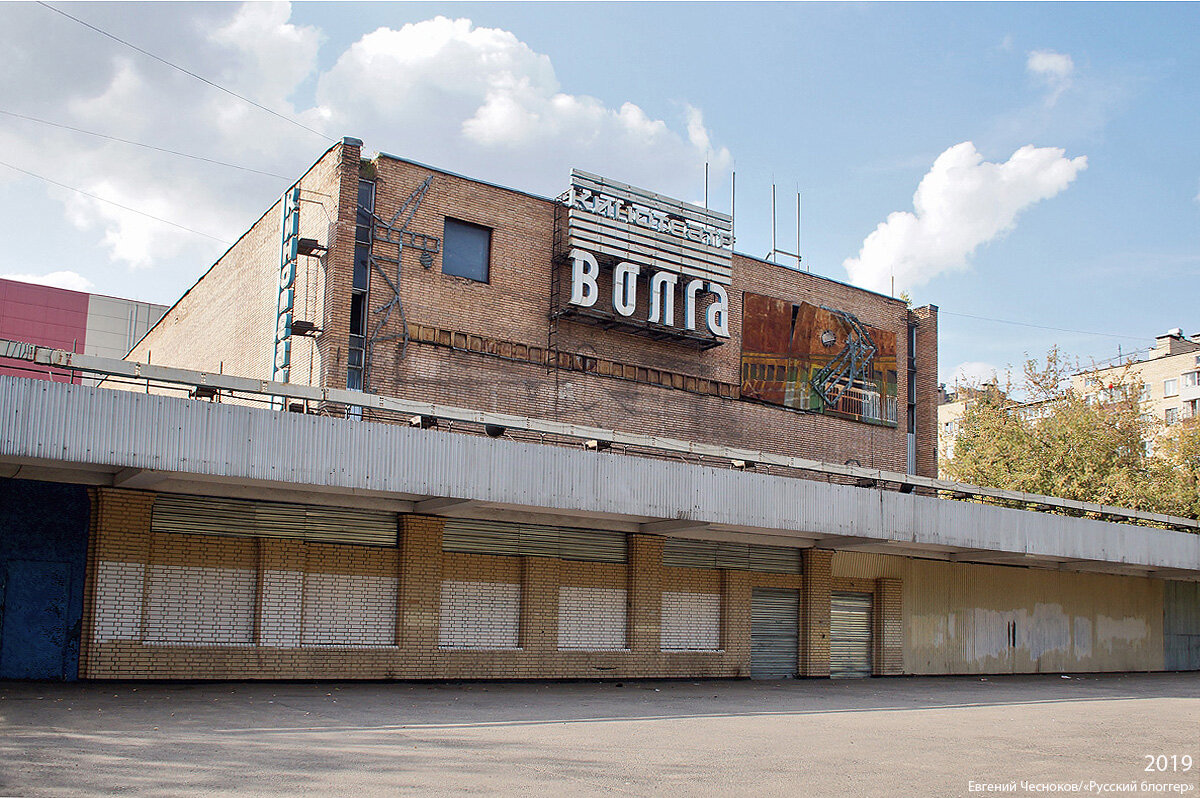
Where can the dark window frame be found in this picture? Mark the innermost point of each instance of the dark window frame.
(449, 260)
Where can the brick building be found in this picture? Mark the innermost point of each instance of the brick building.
(497, 340)
(92, 324)
(725, 518)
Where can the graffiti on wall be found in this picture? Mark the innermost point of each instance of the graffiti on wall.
(820, 359)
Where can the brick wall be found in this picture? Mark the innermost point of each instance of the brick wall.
(613, 379)
(814, 612)
(888, 657)
(226, 321)
(169, 605)
(506, 320)
(926, 318)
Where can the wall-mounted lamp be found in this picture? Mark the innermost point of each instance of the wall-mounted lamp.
(204, 392)
(743, 465)
(597, 445)
(494, 430)
(423, 422)
(309, 246)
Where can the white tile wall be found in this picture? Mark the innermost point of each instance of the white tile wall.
(480, 615)
(691, 621)
(349, 610)
(282, 603)
(591, 618)
(118, 611)
(188, 604)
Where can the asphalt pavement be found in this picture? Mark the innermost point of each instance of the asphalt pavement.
(950, 736)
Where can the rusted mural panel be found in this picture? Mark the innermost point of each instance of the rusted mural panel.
(815, 358)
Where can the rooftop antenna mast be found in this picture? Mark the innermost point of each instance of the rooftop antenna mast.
(732, 209)
(775, 250)
(799, 252)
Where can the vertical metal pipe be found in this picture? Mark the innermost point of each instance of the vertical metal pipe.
(733, 208)
(799, 256)
(773, 259)
(706, 185)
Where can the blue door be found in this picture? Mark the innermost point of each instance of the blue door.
(34, 632)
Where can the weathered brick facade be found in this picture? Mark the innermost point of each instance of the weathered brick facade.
(166, 604)
(491, 345)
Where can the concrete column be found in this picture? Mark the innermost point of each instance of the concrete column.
(418, 617)
(889, 629)
(645, 593)
(814, 612)
(539, 604)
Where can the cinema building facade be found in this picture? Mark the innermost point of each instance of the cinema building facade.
(413, 425)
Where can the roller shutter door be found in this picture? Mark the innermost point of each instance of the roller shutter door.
(1181, 626)
(774, 625)
(850, 635)
(473, 536)
(208, 515)
(686, 553)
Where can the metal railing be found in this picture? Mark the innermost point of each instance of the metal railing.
(338, 402)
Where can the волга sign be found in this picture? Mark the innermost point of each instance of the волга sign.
(660, 246)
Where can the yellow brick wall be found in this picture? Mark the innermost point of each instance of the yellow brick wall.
(124, 600)
(814, 613)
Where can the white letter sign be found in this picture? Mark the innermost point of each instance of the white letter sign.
(625, 288)
(717, 317)
(662, 298)
(584, 271)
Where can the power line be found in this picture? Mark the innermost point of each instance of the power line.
(140, 144)
(148, 54)
(1042, 326)
(117, 204)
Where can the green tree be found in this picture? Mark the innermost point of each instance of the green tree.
(1060, 443)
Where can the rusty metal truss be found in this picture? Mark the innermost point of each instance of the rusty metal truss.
(388, 234)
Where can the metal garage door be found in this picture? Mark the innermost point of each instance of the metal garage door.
(1181, 626)
(850, 634)
(774, 621)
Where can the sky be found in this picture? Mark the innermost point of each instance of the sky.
(1031, 169)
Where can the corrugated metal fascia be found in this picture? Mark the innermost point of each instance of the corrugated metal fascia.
(74, 424)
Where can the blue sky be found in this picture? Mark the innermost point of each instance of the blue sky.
(1055, 145)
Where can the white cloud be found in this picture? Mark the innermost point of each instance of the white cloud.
(471, 99)
(960, 204)
(974, 372)
(64, 279)
(1055, 70)
(482, 101)
(112, 90)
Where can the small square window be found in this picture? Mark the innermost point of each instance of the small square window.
(466, 250)
(1171, 387)
(1171, 415)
